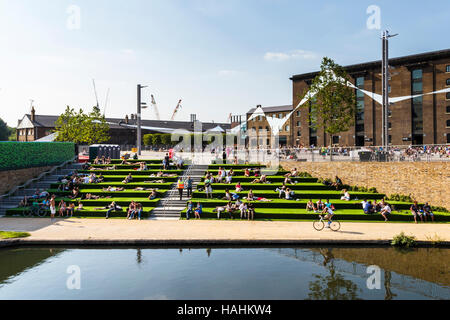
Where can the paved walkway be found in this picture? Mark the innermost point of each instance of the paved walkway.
(96, 229)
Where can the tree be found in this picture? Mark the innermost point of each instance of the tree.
(334, 105)
(82, 128)
(156, 139)
(166, 139)
(5, 131)
(12, 134)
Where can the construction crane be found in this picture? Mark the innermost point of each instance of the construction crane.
(95, 91)
(153, 102)
(177, 108)
(106, 102)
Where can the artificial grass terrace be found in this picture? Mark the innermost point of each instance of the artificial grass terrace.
(132, 185)
(272, 179)
(266, 186)
(134, 166)
(124, 173)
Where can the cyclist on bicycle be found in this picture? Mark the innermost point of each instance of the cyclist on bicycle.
(329, 215)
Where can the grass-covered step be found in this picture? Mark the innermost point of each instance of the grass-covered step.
(149, 161)
(302, 214)
(132, 166)
(299, 194)
(236, 166)
(89, 211)
(268, 186)
(127, 186)
(291, 204)
(124, 173)
(123, 202)
(272, 179)
(139, 179)
(98, 192)
(240, 172)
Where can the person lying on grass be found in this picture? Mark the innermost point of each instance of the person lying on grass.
(288, 180)
(227, 208)
(293, 173)
(90, 196)
(113, 189)
(128, 179)
(114, 167)
(153, 195)
(125, 162)
(155, 181)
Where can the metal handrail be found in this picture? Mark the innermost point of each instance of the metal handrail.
(38, 178)
(172, 192)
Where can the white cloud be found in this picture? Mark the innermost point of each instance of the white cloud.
(227, 73)
(290, 55)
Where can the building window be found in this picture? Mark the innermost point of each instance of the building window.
(447, 69)
(417, 103)
(287, 128)
(335, 139)
(447, 110)
(447, 96)
(448, 82)
(448, 137)
(359, 126)
(299, 124)
(298, 113)
(389, 89)
(390, 125)
(448, 123)
(299, 133)
(389, 139)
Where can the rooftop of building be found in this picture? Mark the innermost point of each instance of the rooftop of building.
(274, 109)
(405, 60)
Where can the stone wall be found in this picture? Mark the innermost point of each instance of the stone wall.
(12, 178)
(425, 181)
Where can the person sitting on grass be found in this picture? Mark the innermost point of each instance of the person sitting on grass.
(320, 205)
(257, 172)
(386, 211)
(251, 211)
(153, 195)
(239, 187)
(131, 210)
(137, 213)
(243, 208)
(190, 210)
(75, 193)
(288, 180)
(247, 172)
(310, 206)
(100, 178)
(71, 209)
(231, 172)
(108, 160)
(330, 205)
(228, 179)
(128, 179)
(263, 179)
(338, 183)
(289, 194)
(62, 208)
(80, 206)
(427, 211)
(369, 208)
(415, 210)
(346, 195)
(227, 195)
(113, 189)
(227, 208)
(112, 207)
(250, 196)
(198, 210)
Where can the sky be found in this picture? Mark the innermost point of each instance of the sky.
(218, 56)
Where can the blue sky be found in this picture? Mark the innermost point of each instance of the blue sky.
(220, 57)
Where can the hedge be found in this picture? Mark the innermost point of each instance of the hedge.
(20, 155)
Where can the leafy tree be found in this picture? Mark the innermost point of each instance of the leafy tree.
(5, 131)
(82, 128)
(166, 139)
(12, 134)
(334, 105)
(156, 139)
(147, 139)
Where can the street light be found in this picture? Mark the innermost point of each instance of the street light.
(385, 86)
(140, 105)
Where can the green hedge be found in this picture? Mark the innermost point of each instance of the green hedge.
(20, 155)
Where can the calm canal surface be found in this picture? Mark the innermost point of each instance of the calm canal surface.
(244, 273)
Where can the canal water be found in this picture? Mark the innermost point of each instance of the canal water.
(230, 274)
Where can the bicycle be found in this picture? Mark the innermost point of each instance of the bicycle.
(34, 211)
(319, 225)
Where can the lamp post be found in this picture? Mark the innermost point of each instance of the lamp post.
(385, 87)
(140, 105)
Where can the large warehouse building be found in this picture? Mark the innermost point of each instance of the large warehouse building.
(417, 121)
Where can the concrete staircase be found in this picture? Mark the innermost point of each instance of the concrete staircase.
(43, 184)
(171, 206)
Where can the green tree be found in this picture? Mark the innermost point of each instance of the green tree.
(156, 139)
(334, 105)
(147, 139)
(166, 139)
(12, 134)
(4, 131)
(82, 128)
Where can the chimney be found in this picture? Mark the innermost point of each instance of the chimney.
(126, 119)
(193, 117)
(33, 114)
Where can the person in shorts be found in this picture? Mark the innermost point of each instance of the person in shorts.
(52, 207)
(208, 189)
(385, 211)
(415, 210)
(329, 215)
(428, 212)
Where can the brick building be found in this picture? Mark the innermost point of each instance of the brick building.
(422, 120)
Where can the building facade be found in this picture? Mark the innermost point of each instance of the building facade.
(417, 121)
